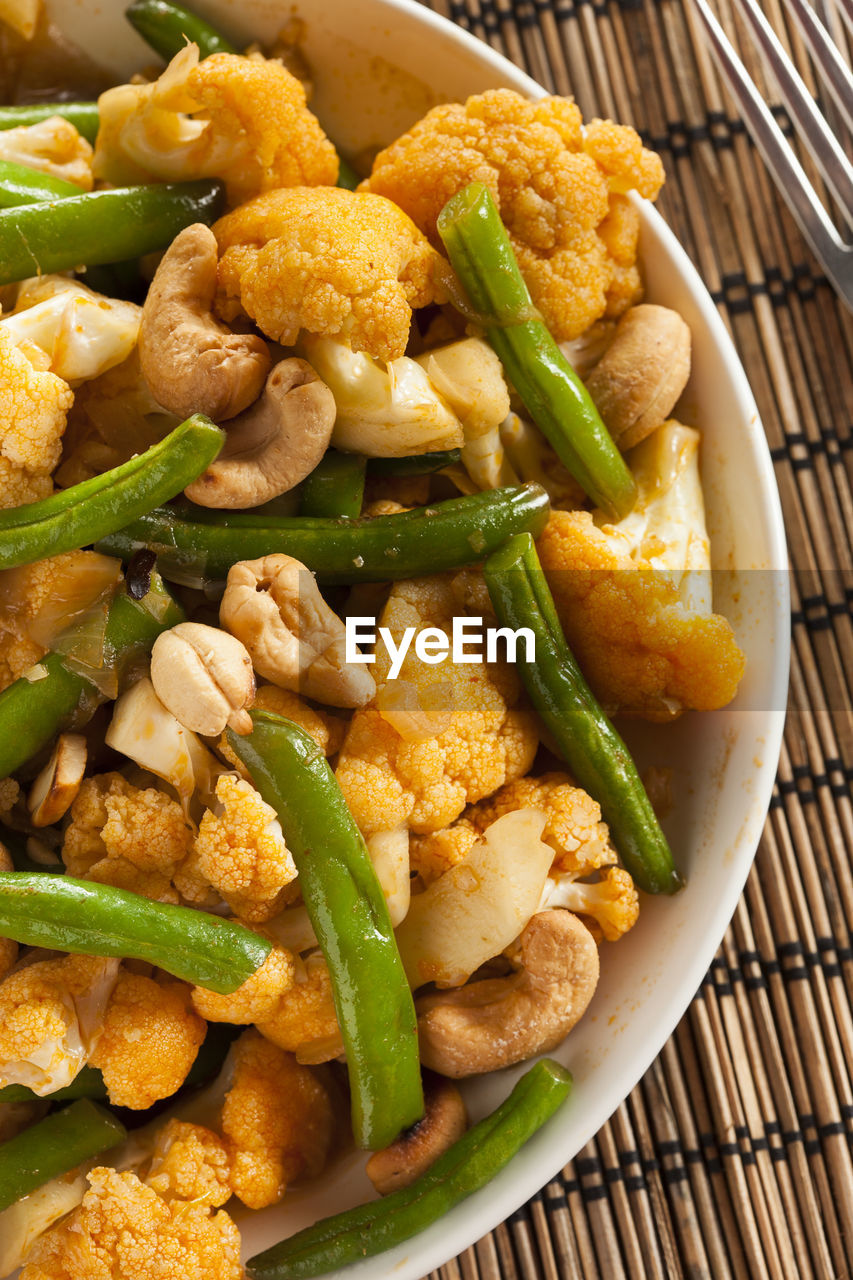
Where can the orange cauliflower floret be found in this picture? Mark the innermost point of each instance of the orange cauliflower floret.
(643, 651)
(277, 1118)
(437, 737)
(611, 900)
(326, 730)
(18, 487)
(580, 840)
(258, 996)
(243, 120)
(150, 1039)
(126, 836)
(304, 1018)
(242, 852)
(51, 146)
(51, 1016)
(34, 407)
(328, 261)
(123, 1228)
(555, 186)
(190, 1163)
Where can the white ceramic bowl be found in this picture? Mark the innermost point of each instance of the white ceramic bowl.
(378, 65)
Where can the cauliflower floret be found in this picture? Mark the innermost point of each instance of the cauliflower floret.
(52, 1014)
(256, 999)
(242, 852)
(122, 874)
(554, 183)
(277, 1118)
(611, 900)
(326, 729)
(243, 120)
(123, 1228)
(150, 1039)
(18, 486)
(126, 836)
(40, 600)
(439, 736)
(573, 829)
(643, 651)
(52, 146)
(82, 333)
(328, 261)
(34, 405)
(190, 1163)
(304, 1019)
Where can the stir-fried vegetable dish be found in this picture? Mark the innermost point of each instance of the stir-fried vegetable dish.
(344, 503)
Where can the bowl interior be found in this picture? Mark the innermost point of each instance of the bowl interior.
(378, 65)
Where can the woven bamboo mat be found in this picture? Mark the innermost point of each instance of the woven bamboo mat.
(734, 1155)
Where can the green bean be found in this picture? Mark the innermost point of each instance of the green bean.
(66, 914)
(101, 226)
(38, 705)
(345, 904)
(89, 1081)
(335, 487)
(20, 184)
(464, 1168)
(78, 516)
(54, 1146)
(416, 464)
(595, 753)
(83, 115)
(446, 535)
(166, 28)
(483, 258)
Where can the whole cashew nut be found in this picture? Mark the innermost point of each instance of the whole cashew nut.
(636, 383)
(191, 362)
(204, 677)
(275, 608)
(495, 1022)
(444, 1122)
(272, 445)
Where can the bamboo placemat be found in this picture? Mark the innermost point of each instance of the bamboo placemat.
(733, 1156)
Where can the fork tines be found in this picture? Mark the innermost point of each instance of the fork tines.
(829, 157)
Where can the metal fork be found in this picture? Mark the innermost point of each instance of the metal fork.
(828, 246)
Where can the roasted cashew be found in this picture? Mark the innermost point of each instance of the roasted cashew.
(492, 1023)
(191, 362)
(204, 677)
(275, 607)
(638, 380)
(272, 445)
(444, 1123)
(53, 791)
